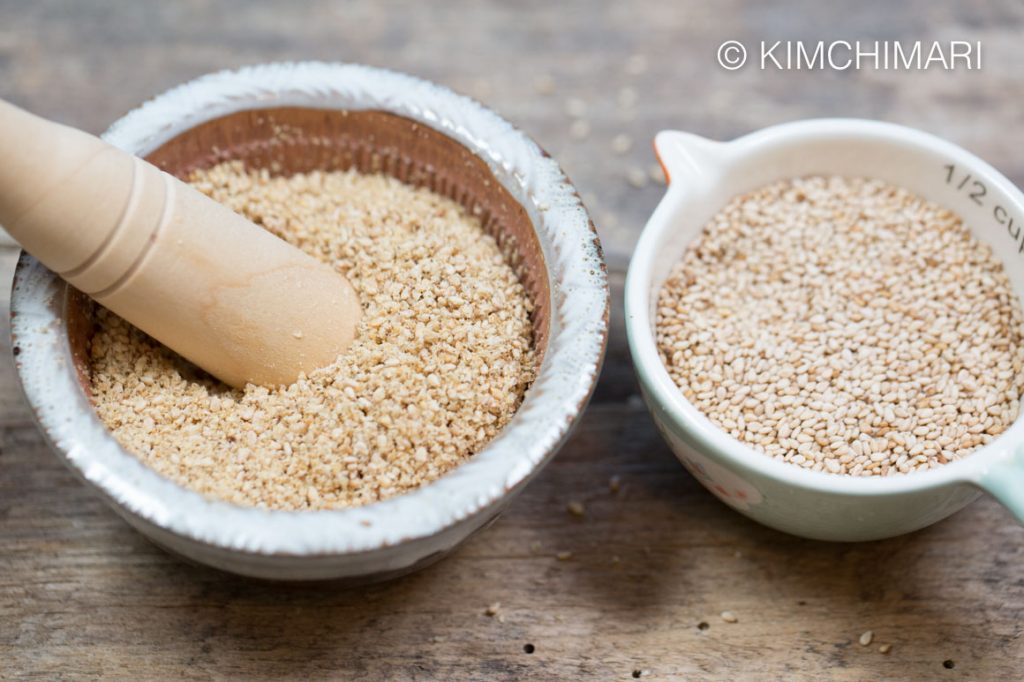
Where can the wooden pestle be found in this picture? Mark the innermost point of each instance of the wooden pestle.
(231, 297)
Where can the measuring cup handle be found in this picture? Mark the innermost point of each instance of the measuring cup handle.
(689, 159)
(1005, 482)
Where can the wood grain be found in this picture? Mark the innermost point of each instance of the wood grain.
(82, 596)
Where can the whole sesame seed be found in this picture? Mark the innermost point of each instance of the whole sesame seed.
(575, 107)
(579, 129)
(858, 329)
(627, 97)
(637, 177)
(866, 637)
(544, 84)
(729, 617)
(636, 64)
(622, 143)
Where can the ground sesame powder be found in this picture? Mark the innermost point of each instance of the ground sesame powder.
(845, 326)
(442, 358)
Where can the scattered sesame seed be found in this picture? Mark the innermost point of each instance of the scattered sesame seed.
(657, 174)
(576, 508)
(729, 617)
(481, 88)
(884, 648)
(615, 483)
(845, 325)
(622, 143)
(493, 609)
(579, 129)
(627, 97)
(609, 220)
(637, 177)
(563, 556)
(636, 64)
(544, 84)
(439, 300)
(575, 107)
(866, 637)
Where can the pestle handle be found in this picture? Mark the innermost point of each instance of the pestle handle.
(224, 293)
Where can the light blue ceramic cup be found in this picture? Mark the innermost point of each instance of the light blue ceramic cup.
(703, 176)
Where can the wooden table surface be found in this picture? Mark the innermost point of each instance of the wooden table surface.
(652, 567)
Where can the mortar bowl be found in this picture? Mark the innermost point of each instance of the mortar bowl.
(290, 118)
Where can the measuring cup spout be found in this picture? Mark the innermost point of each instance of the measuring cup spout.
(688, 158)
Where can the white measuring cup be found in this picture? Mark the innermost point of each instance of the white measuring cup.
(703, 176)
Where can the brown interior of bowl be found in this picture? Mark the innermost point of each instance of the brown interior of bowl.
(292, 140)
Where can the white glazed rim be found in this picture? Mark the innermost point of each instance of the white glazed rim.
(655, 377)
(566, 378)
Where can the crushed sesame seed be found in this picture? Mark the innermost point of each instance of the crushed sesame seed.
(729, 617)
(866, 637)
(439, 301)
(845, 325)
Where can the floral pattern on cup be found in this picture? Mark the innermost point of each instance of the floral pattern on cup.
(723, 483)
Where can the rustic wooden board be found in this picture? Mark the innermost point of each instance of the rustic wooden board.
(82, 595)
